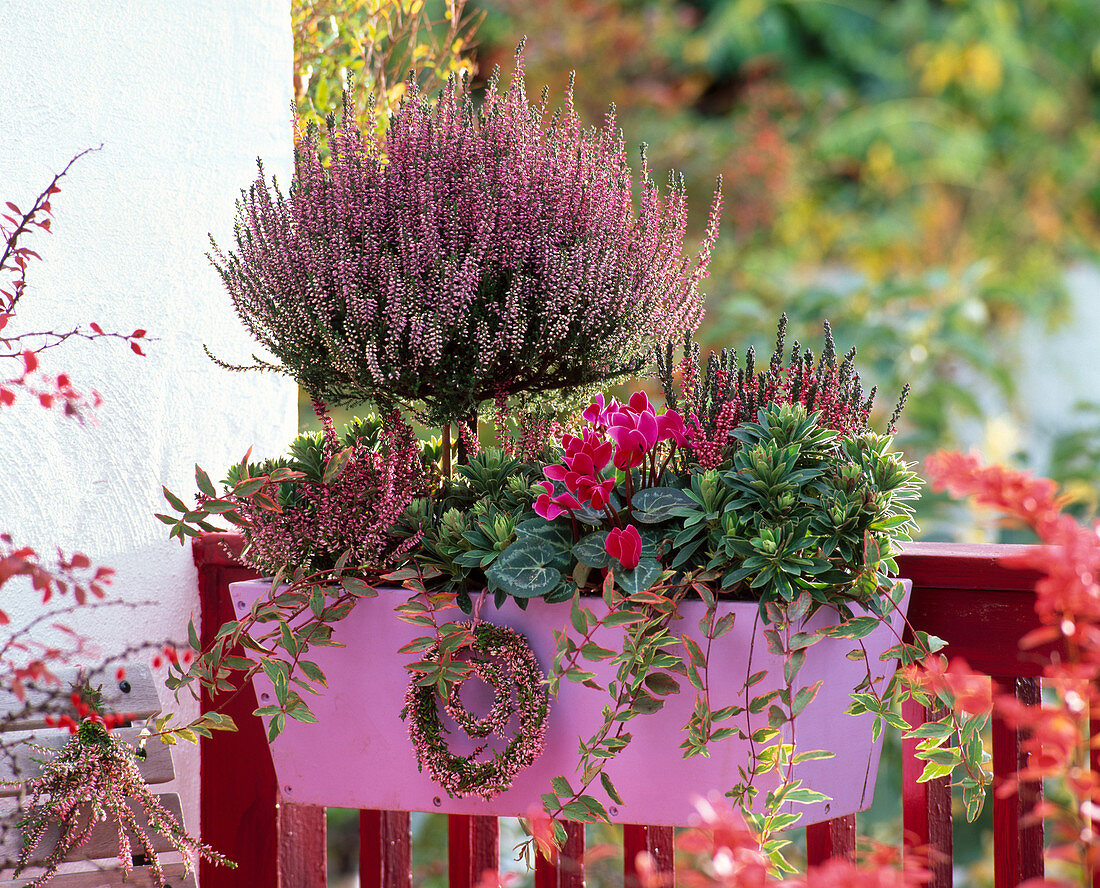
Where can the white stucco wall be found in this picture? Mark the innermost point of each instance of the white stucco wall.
(183, 97)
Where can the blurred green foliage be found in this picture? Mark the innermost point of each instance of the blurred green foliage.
(371, 46)
(920, 172)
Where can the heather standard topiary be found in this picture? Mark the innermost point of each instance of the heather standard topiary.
(473, 254)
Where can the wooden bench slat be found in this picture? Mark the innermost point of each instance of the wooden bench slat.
(140, 700)
(140, 877)
(17, 762)
(104, 839)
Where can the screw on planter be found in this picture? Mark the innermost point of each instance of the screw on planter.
(438, 802)
(613, 811)
(240, 605)
(265, 696)
(124, 686)
(827, 807)
(288, 789)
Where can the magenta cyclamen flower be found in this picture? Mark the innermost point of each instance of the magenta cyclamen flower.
(625, 545)
(477, 252)
(623, 434)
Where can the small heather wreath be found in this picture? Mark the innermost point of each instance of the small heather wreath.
(503, 659)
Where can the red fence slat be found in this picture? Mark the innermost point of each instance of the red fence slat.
(237, 780)
(658, 841)
(303, 854)
(926, 807)
(568, 872)
(472, 848)
(384, 849)
(831, 840)
(1017, 842)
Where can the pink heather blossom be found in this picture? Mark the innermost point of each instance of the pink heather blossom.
(478, 252)
(625, 545)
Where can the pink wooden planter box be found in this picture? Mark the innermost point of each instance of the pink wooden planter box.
(358, 755)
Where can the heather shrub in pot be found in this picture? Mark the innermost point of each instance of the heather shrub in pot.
(472, 253)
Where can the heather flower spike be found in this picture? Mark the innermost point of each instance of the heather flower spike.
(473, 254)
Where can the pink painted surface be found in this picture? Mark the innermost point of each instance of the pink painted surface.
(358, 755)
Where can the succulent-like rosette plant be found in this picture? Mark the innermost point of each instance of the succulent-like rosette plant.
(475, 252)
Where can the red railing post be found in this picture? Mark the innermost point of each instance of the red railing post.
(303, 851)
(831, 840)
(472, 848)
(658, 841)
(1017, 838)
(568, 872)
(926, 807)
(238, 792)
(385, 860)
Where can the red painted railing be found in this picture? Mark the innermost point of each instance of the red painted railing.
(967, 595)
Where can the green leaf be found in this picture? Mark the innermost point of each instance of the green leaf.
(662, 683)
(275, 726)
(524, 571)
(577, 811)
(173, 500)
(203, 480)
(595, 807)
(805, 796)
(248, 487)
(804, 696)
(655, 504)
(639, 578)
(724, 625)
(561, 786)
(591, 550)
(609, 788)
(334, 468)
(622, 618)
(313, 671)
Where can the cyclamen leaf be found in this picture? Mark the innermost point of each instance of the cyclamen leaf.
(591, 549)
(524, 571)
(639, 578)
(655, 504)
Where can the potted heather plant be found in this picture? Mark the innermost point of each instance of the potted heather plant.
(474, 253)
(746, 530)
